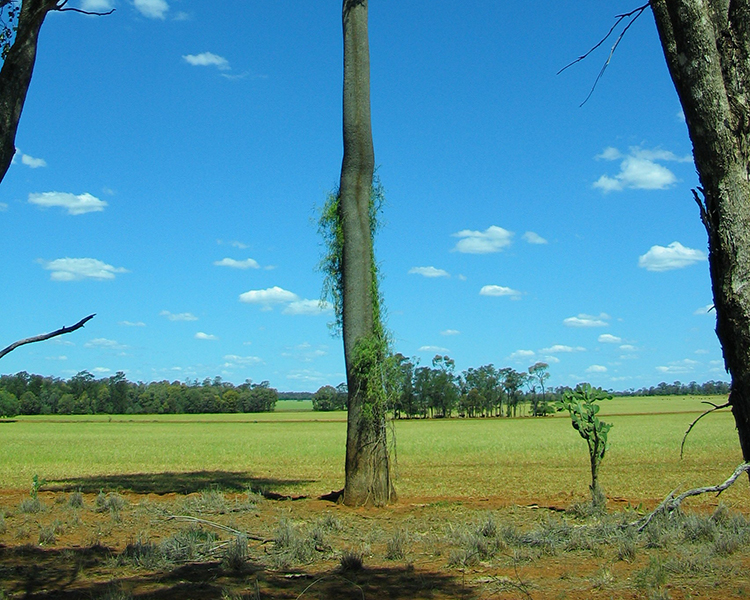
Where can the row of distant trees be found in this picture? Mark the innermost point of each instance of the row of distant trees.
(84, 394)
(438, 391)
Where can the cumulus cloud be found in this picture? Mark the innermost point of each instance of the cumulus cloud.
(233, 361)
(499, 290)
(596, 369)
(628, 348)
(248, 263)
(33, 163)
(186, 316)
(521, 354)
(205, 336)
(97, 5)
(534, 238)
(428, 272)
(207, 59)
(560, 348)
(153, 9)
(434, 349)
(308, 307)
(583, 320)
(269, 297)
(76, 269)
(639, 169)
(75, 205)
(680, 366)
(132, 323)
(105, 344)
(450, 332)
(492, 239)
(606, 338)
(674, 256)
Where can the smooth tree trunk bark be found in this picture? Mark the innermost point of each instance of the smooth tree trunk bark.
(367, 465)
(707, 47)
(15, 75)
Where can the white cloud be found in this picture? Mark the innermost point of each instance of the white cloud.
(606, 338)
(434, 349)
(680, 366)
(428, 272)
(97, 5)
(101, 370)
(33, 163)
(233, 360)
(499, 290)
(674, 256)
(105, 344)
(207, 59)
(132, 324)
(628, 348)
(596, 369)
(248, 263)
(205, 336)
(76, 269)
(153, 9)
(639, 170)
(75, 205)
(704, 310)
(186, 316)
(560, 348)
(308, 307)
(269, 297)
(450, 332)
(519, 354)
(583, 320)
(3, 207)
(534, 238)
(492, 239)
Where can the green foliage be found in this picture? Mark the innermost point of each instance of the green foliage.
(581, 404)
(36, 485)
(9, 405)
(8, 24)
(329, 398)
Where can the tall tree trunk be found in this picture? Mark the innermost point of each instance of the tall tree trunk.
(15, 75)
(707, 47)
(367, 466)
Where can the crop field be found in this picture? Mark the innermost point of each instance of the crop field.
(488, 508)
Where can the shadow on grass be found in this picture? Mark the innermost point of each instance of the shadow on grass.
(178, 483)
(92, 573)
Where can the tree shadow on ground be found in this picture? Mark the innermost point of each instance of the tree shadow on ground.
(90, 573)
(178, 483)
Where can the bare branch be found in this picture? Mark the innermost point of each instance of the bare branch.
(670, 503)
(45, 336)
(633, 16)
(689, 429)
(62, 8)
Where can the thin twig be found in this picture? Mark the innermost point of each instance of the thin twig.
(689, 429)
(46, 336)
(249, 536)
(633, 16)
(361, 591)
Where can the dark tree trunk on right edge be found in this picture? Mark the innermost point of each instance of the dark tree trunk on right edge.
(707, 47)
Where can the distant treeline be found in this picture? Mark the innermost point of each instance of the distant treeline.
(83, 394)
(415, 392)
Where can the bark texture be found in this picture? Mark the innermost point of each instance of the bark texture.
(15, 75)
(367, 465)
(707, 47)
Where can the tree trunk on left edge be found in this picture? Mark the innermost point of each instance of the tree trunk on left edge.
(707, 47)
(367, 464)
(15, 75)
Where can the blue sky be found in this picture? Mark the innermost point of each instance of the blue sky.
(172, 157)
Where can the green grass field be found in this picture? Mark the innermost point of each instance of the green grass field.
(297, 451)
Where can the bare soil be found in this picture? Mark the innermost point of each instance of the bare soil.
(90, 543)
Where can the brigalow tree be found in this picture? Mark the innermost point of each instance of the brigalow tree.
(20, 23)
(368, 473)
(707, 47)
